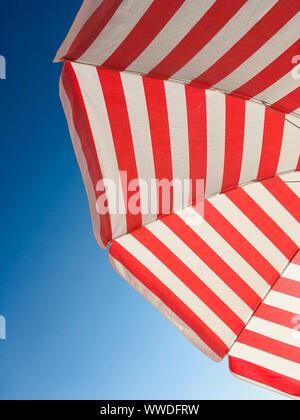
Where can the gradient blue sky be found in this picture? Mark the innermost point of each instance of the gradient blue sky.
(75, 330)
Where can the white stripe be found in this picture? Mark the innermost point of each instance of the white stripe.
(292, 180)
(254, 128)
(82, 164)
(279, 89)
(200, 269)
(178, 126)
(271, 50)
(215, 108)
(88, 7)
(178, 26)
(152, 263)
(250, 231)
(292, 272)
(275, 210)
(291, 177)
(225, 251)
(290, 148)
(140, 129)
(226, 38)
(120, 25)
(283, 301)
(99, 121)
(273, 330)
(295, 187)
(164, 309)
(266, 360)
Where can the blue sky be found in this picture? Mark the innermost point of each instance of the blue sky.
(75, 330)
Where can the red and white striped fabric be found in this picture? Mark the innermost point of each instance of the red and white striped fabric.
(268, 350)
(178, 90)
(156, 129)
(246, 47)
(293, 181)
(208, 275)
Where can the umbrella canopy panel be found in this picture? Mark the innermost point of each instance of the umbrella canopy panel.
(250, 48)
(135, 129)
(268, 350)
(209, 272)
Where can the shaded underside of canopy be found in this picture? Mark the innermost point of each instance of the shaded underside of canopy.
(155, 129)
(267, 352)
(249, 48)
(197, 89)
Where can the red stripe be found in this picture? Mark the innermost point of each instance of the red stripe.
(160, 135)
(212, 260)
(191, 280)
(298, 165)
(83, 129)
(92, 29)
(276, 315)
(289, 200)
(121, 132)
(270, 74)
(196, 39)
(290, 102)
(264, 376)
(296, 259)
(288, 287)
(254, 39)
(263, 222)
(197, 129)
(168, 298)
(271, 145)
(234, 141)
(270, 345)
(240, 244)
(144, 32)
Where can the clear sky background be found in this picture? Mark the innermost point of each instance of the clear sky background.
(75, 329)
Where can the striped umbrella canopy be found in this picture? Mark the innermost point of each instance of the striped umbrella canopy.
(184, 116)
